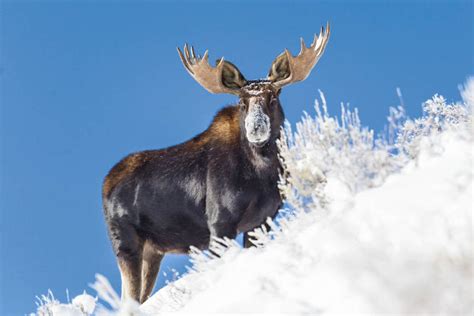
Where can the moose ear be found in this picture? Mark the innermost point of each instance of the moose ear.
(231, 76)
(280, 68)
(224, 78)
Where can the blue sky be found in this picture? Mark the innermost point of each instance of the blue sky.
(85, 83)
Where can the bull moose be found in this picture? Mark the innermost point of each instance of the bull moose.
(221, 182)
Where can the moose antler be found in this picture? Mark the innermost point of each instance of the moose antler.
(298, 68)
(207, 76)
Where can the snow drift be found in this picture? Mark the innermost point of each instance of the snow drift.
(372, 224)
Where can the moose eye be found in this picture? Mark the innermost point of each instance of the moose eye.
(273, 101)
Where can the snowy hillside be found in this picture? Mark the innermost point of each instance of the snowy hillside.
(371, 225)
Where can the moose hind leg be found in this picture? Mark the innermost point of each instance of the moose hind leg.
(150, 267)
(129, 250)
(130, 272)
(247, 243)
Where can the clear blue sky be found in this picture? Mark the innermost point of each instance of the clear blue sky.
(84, 84)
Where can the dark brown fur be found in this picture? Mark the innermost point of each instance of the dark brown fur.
(122, 171)
(224, 129)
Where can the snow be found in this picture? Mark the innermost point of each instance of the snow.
(371, 226)
(85, 303)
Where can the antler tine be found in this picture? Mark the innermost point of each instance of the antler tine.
(183, 59)
(324, 40)
(328, 28)
(205, 57)
(207, 76)
(186, 52)
(303, 45)
(314, 40)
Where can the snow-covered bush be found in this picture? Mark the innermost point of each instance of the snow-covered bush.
(81, 305)
(438, 117)
(376, 224)
(325, 146)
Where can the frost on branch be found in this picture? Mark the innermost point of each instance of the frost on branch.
(438, 116)
(81, 305)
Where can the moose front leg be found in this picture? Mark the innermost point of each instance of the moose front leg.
(247, 243)
(223, 226)
(224, 206)
(270, 207)
(222, 211)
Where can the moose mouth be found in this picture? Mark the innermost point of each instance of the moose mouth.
(259, 144)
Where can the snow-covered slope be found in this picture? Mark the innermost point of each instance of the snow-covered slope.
(405, 247)
(370, 226)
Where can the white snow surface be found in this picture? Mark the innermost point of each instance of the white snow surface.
(370, 226)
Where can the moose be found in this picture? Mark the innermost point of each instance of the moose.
(220, 183)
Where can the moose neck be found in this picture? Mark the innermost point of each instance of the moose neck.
(261, 158)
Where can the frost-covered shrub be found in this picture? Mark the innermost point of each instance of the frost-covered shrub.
(438, 116)
(323, 146)
(85, 304)
(81, 305)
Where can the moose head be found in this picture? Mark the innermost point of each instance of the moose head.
(260, 108)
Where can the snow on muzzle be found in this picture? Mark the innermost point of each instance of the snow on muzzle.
(257, 123)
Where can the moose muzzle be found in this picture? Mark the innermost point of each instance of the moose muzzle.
(257, 123)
